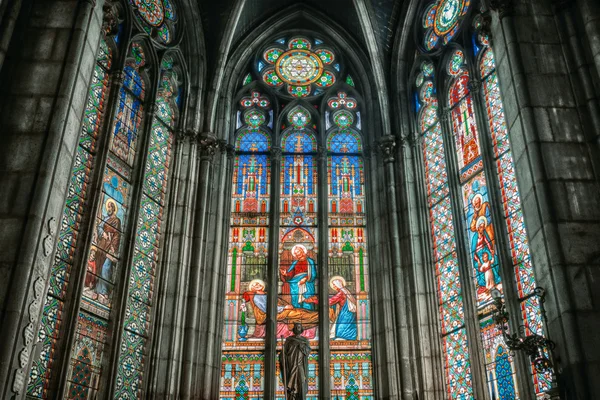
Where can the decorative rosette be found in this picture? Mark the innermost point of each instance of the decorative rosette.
(441, 21)
(157, 18)
(298, 67)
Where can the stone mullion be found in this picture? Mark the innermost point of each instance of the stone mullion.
(323, 274)
(478, 374)
(590, 13)
(507, 269)
(120, 293)
(94, 197)
(387, 144)
(270, 386)
(207, 145)
(427, 271)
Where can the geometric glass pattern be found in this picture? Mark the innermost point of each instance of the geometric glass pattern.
(441, 20)
(301, 68)
(157, 18)
(511, 202)
(244, 331)
(478, 212)
(77, 200)
(457, 367)
(105, 253)
(348, 300)
(140, 294)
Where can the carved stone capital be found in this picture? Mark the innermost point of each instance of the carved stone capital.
(186, 135)
(207, 145)
(503, 7)
(474, 85)
(321, 153)
(486, 25)
(445, 115)
(386, 145)
(118, 78)
(276, 153)
(110, 19)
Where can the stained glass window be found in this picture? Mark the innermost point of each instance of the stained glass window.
(441, 21)
(105, 253)
(293, 68)
(476, 185)
(457, 364)
(69, 239)
(349, 309)
(511, 202)
(157, 18)
(150, 227)
(242, 372)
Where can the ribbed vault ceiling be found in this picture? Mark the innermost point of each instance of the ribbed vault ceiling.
(217, 14)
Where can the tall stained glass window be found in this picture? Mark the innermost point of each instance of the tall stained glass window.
(244, 329)
(350, 325)
(294, 71)
(98, 267)
(41, 371)
(475, 121)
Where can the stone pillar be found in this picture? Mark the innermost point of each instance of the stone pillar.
(214, 274)
(323, 274)
(387, 145)
(171, 304)
(565, 16)
(558, 183)
(44, 81)
(590, 13)
(207, 144)
(415, 239)
(272, 277)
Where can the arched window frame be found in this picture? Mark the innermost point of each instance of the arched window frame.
(321, 361)
(527, 379)
(55, 356)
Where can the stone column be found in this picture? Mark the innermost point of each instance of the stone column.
(272, 277)
(169, 330)
(387, 146)
(207, 145)
(590, 13)
(416, 239)
(323, 274)
(44, 79)
(558, 183)
(565, 16)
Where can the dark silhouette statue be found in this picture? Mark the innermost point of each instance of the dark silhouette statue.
(294, 364)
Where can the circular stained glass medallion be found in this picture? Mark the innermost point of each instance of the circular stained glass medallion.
(299, 67)
(447, 15)
(151, 11)
(157, 18)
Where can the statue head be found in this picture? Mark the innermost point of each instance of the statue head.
(297, 328)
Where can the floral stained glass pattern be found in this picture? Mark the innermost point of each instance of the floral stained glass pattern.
(157, 18)
(441, 21)
(242, 372)
(449, 291)
(44, 350)
(303, 68)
